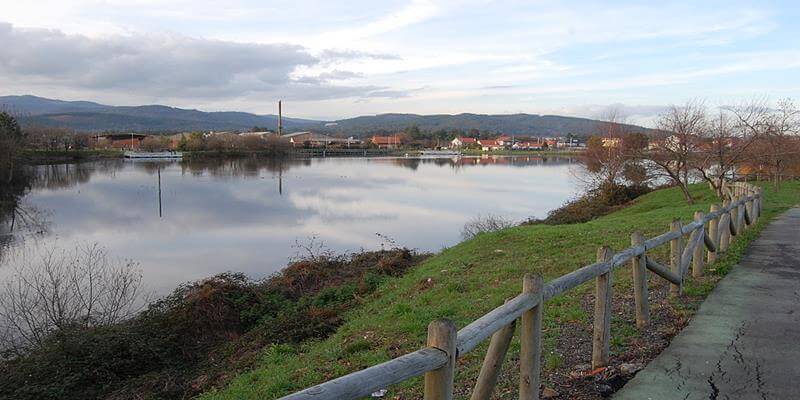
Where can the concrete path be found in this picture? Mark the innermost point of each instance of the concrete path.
(744, 341)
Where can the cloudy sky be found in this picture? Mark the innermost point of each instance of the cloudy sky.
(341, 59)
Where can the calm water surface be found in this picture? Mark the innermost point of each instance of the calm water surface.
(246, 215)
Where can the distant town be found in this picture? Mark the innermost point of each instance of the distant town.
(258, 139)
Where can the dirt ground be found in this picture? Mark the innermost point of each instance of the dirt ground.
(574, 378)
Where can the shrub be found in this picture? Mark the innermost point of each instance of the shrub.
(484, 223)
(193, 338)
(595, 203)
(60, 289)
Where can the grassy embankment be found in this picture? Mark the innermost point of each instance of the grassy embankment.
(467, 280)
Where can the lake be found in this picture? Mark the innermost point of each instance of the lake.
(248, 215)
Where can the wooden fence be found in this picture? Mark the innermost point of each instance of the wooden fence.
(437, 360)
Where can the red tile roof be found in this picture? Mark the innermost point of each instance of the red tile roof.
(387, 140)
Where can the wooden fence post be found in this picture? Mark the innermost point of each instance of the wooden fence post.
(748, 209)
(753, 206)
(734, 214)
(492, 364)
(639, 268)
(601, 337)
(697, 258)
(530, 351)
(740, 222)
(760, 200)
(756, 199)
(439, 383)
(676, 250)
(713, 233)
(724, 227)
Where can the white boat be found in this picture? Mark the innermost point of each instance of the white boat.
(154, 154)
(440, 153)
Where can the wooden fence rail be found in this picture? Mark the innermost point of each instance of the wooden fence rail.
(437, 361)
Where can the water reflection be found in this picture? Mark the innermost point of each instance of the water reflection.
(244, 215)
(18, 218)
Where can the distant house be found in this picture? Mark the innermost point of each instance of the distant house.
(678, 143)
(549, 143)
(504, 140)
(263, 134)
(571, 143)
(118, 141)
(611, 142)
(462, 142)
(489, 145)
(387, 142)
(526, 146)
(313, 139)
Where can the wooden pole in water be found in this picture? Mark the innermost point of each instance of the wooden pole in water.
(280, 118)
(159, 192)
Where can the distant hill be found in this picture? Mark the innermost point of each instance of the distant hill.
(520, 124)
(94, 117)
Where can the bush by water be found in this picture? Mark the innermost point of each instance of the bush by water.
(199, 335)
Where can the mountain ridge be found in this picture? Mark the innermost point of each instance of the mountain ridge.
(95, 117)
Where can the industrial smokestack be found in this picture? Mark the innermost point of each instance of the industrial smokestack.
(280, 119)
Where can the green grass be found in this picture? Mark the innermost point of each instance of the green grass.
(472, 278)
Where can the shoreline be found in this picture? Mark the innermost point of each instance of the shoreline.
(43, 157)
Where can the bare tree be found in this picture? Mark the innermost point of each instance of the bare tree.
(53, 138)
(484, 223)
(59, 289)
(155, 143)
(776, 131)
(613, 154)
(223, 142)
(669, 157)
(725, 147)
(253, 142)
(11, 140)
(605, 155)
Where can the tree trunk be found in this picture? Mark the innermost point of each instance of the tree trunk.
(10, 176)
(776, 181)
(686, 194)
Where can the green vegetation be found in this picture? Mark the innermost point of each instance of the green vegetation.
(467, 280)
(595, 203)
(196, 337)
(46, 156)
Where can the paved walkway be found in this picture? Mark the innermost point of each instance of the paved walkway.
(744, 341)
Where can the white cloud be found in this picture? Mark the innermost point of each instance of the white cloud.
(164, 66)
(425, 56)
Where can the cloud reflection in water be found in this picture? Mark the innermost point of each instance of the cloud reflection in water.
(231, 215)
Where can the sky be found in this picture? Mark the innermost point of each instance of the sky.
(331, 60)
